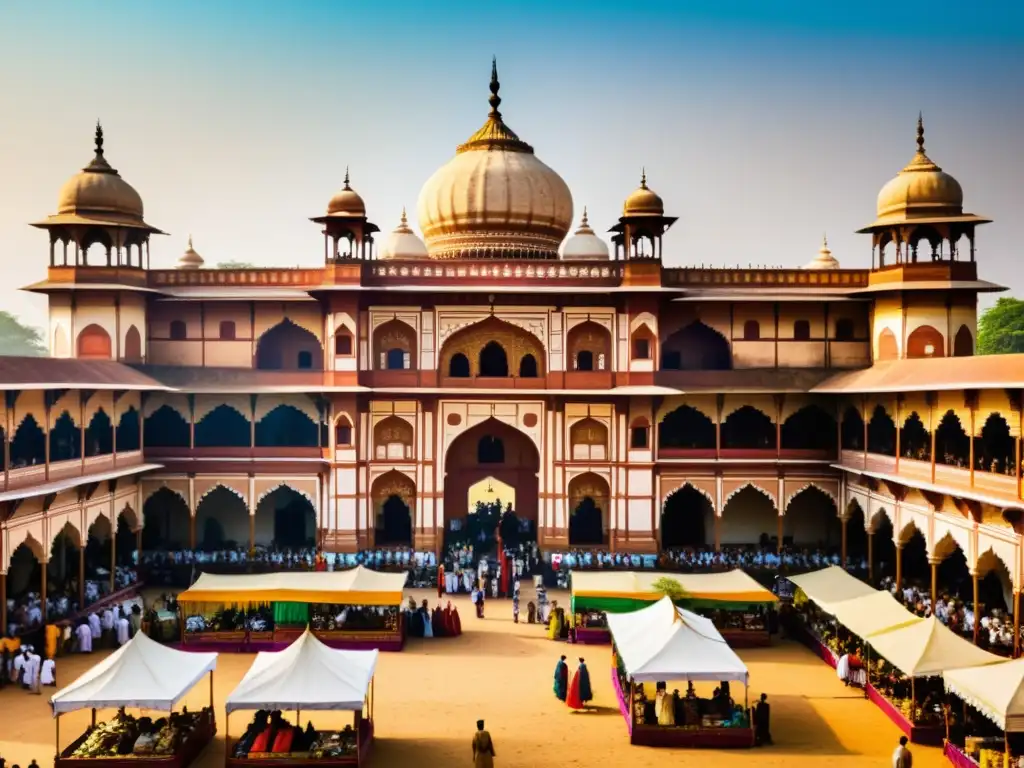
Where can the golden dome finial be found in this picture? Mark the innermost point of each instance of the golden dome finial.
(824, 241)
(585, 222)
(189, 242)
(920, 133)
(643, 177)
(405, 220)
(346, 178)
(99, 139)
(495, 99)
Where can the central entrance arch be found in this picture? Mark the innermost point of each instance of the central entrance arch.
(493, 452)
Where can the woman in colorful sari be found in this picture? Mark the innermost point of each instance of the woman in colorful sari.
(555, 624)
(456, 621)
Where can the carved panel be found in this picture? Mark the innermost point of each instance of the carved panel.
(516, 342)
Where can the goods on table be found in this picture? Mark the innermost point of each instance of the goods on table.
(126, 735)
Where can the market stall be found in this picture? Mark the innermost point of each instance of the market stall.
(307, 676)
(920, 652)
(737, 604)
(663, 643)
(357, 608)
(996, 693)
(145, 675)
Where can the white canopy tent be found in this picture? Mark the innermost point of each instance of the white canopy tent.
(663, 642)
(306, 675)
(996, 690)
(831, 585)
(142, 673)
(927, 648)
(871, 614)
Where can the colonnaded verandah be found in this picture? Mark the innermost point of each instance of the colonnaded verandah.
(617, 402)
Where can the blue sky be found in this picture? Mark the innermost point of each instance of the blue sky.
(761, 124)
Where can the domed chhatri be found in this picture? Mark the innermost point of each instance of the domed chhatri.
(98, 195)
(346, 201)
(495, 199)
(584, 245)
(190, 259)
(403, 243)
(643, 201)
(922, 189)
(824, 259)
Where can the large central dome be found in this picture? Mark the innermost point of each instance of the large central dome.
(494, 199)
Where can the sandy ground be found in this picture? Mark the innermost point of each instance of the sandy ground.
(430, 695)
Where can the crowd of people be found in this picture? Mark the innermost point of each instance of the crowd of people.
(420, 621)
(995, 626)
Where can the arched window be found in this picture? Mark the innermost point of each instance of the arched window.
(802, 330)
(640, 435)
(342, 343)
(915, 440)
(227, 330)
(844, 329)
(128, 430)
(287, 427)
(751, 330)
(963, 343)
(748, 428)
(853, 430)
(811, 428)
(490, 450)
(584, 360)
(926, 341)
(178, 330)
(280, 348)
(394, 344)
(99, 435)
(342, 433)
(166, 428)
(493, 360)
(65, 439)
(686, 428)
(94, 343)
(223, 427)
(881, 432)
(888, 349)
(952, 443)
(588, 345)
(133, 345)
(458, 366)
(697, 347)
(528, 367)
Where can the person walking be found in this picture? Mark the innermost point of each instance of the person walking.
(483, 747)
(901, 757)
(762, 722)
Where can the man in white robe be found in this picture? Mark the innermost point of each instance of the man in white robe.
(84, 634)
(123, 630)
(32, 670)
(48, 675)
(18, 666)
(94, 626)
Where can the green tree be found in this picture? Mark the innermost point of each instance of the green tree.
(19, 340)
(1001, 328)
(235, 265)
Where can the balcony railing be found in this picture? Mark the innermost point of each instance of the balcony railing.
(19, 478)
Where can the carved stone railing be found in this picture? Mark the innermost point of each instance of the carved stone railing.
(753, 277)
(532, 273)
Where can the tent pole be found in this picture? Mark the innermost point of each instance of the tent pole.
(913, 701)
(298, 715)
(57, 720)
(94, 717)
(227, 731)
(211, 691)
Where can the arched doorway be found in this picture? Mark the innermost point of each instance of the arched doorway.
(24, 574)
(62, 569)
(749, 517)
(811, 520)
(222, 521)
(394, 499)
(98, 543)
(914, 557)
(856, 536)
(687, 520)
(883, 546)
(285, 519)
(491, 450)
(589, 511)
(166, 522)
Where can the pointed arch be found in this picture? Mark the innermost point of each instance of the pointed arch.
(222, 519)
(394, 346)
(588, 440)
(223, 427)
(812, 518)
(285, 517)
(166, 428)
(952, 443)
(697, 347)
(963, 342)
(94, 343)
(888, 347)
(748, 428)
(99, 435)
(687, 518)
(498, 343)
(881, 432)
(28, 446)
(590, 507)
(286, 426)
(289, 347)
(394, 498)
(811, 428)
(61, 346)
(65, 439)
(133, 345)
(166, 521)
(853, 429)
(589, 345)
(749, 516)
(687, 428)
(926, 341)
(393, 438)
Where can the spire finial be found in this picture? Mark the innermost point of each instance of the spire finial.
(585, 223)
(190, 242)
(346, 178)
(405, 221)
(920, 133)
(99, 139)
(824, 241)
(495, 99)
(643, 178)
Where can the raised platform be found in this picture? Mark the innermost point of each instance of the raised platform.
(679, 736)
(190, 749)
(364, 745)
(240, 642)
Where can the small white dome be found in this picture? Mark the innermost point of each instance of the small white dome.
(584, 245)
(403, 243)
(190, 259)
(824, 259)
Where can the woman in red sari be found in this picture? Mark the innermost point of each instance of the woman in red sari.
(580, 691)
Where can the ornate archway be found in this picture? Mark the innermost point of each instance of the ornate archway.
(516, 465)
(589, 510)
(491, 348)
(393, 496)
(285, 519)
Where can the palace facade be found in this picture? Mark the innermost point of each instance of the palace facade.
(613, 400)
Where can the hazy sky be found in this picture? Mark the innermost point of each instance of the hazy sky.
(761, 124)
